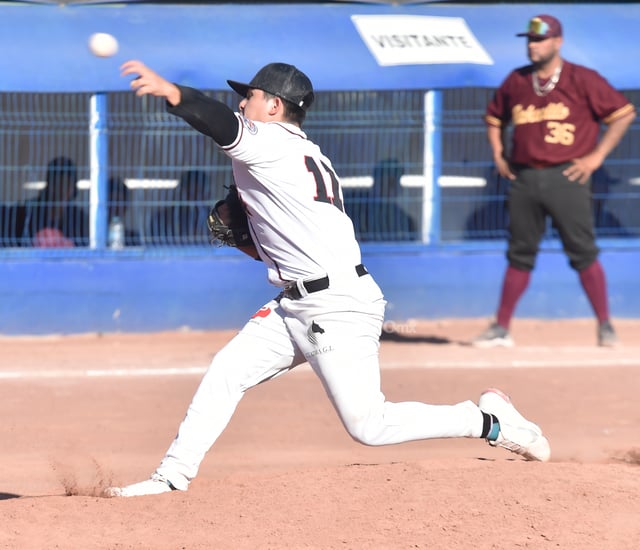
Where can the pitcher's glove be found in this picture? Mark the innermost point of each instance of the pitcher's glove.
(227, 221)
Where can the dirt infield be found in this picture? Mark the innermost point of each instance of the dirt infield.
(83, 412)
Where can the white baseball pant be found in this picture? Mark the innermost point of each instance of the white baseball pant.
(337, 331)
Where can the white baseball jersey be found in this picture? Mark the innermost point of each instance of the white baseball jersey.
(294, 202)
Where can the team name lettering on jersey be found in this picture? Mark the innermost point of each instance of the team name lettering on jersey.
(531, 114)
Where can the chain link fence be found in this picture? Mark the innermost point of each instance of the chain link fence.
(163, 176)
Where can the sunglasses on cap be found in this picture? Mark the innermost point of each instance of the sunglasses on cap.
(538, 26)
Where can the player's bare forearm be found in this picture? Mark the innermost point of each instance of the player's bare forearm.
(583, 167)
(495, 136)
(612, 135)
(148, 82)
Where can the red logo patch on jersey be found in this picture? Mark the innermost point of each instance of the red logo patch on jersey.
(250, 126)
(262, 312)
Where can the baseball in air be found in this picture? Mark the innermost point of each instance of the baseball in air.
(103, 44)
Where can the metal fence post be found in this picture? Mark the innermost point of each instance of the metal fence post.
(432, 166)
(98, 159)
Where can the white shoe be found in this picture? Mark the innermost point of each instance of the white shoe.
(495, 336)
(517, 434)
(155, 485)
(606, 335)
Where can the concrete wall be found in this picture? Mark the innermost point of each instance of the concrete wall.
(134, 294)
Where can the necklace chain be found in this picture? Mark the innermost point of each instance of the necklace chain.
(542, 91)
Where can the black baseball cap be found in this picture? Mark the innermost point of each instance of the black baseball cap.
(282, 80)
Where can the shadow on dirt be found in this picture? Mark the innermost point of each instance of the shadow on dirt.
(8, 496)
(389, 336)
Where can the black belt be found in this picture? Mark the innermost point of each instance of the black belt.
(292, 291)
(538, 166)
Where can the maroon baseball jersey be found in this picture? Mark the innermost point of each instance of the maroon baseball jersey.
(560, 126)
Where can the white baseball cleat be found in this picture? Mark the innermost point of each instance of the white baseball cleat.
(517, 434)
(607, 335)
(495, 336)
(155, 485)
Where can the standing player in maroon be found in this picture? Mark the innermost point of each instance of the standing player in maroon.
(556, 109)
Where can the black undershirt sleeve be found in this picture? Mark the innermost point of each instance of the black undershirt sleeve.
(207, 115)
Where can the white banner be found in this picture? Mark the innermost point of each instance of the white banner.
(419, 40)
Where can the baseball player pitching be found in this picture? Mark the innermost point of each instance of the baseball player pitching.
(330, 310)
(556, 109)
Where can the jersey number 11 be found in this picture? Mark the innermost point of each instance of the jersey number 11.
(321, 187)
